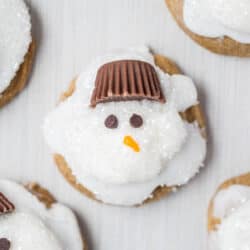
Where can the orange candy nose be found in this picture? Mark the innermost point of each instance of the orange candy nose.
(130, 142)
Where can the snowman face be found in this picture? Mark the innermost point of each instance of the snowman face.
(141, 135)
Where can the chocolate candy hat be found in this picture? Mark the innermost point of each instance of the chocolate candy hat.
(126, 80)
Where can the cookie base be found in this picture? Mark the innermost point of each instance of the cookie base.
(225, 46)
(192, 114)
(21, 78)
(212, 221)
(42, 194)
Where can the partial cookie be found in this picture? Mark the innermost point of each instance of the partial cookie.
(131, 184)
(229, 215)
(220, 29)
(16, 48)
(30, 218)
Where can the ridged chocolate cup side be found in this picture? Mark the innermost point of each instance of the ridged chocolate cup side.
(126, 80)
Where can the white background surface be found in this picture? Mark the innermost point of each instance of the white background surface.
(69, 33)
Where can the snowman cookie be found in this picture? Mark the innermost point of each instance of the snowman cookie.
(222, 26)
(229, 215)
(126, 131)
(30, 218)
(16, 48)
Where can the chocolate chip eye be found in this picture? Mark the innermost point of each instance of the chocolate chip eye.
(136, 121)
(111, 122)
(4, 244)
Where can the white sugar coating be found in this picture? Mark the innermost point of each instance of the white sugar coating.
(218, 18)
(33, 226)
(97, 155)
(15, 30)
(232, 206)
(17, 227)
(183, 91)
(229, 199)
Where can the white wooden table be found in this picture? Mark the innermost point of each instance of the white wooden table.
(69, 34)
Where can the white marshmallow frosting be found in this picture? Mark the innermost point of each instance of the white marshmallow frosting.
(218, 18)
(15, 30)
(232, 207)
(171, 150)
(32, 226)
